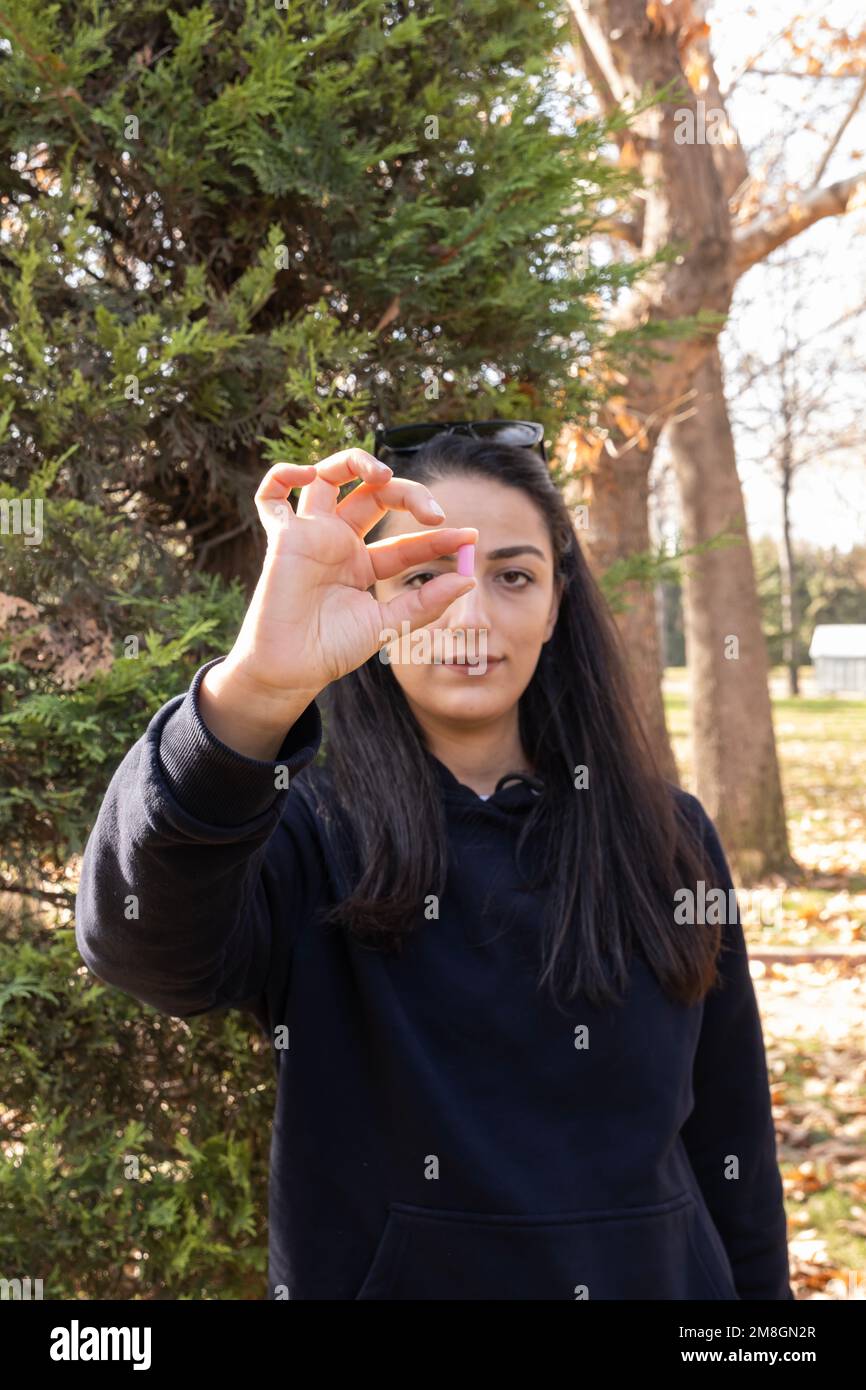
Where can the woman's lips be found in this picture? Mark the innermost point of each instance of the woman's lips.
(474, 668)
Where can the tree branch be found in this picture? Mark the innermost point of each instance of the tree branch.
(743, 384)
(831, 148)
(749, 65)
(202, 550)
(755, 242)
(600, 67)
(59, 899)
(785, 72)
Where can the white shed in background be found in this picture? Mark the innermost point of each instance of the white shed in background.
(838, 652)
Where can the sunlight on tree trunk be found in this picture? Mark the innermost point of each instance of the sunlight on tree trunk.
(734, 747)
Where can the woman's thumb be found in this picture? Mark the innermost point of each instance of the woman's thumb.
(424, 605)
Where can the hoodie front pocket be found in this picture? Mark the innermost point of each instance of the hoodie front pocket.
(652, 1252)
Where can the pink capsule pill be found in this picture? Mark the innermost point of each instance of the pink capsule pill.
(466, 559)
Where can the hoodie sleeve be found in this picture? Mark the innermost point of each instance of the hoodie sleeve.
(732, 1117)
(195, 876)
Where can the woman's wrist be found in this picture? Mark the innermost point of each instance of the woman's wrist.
(245, 715)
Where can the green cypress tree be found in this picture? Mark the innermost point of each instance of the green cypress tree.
(229, 233)
(238, 232)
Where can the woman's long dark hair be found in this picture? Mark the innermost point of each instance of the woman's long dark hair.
(611, 855)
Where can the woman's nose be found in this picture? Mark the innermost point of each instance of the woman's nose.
(470, 610)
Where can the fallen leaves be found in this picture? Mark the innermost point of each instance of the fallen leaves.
(814, 1021)
(814, 1012)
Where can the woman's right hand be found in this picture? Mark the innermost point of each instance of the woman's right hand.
(312, 618)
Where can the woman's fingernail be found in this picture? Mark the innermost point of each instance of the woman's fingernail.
(434, 507)
(466, 560)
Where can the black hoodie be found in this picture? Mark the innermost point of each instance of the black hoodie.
(441, 1130)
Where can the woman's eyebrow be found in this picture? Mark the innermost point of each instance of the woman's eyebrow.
(508, 552)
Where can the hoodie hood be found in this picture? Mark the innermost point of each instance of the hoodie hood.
(514, 792)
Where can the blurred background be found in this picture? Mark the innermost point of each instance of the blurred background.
(232, 233)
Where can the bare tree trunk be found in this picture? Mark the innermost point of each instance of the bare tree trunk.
(787, 578)
(685, 204)
(736, 770)
(619, 526)
(788, 394)
(629, 46)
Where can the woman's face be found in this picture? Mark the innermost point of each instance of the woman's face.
(514, 599)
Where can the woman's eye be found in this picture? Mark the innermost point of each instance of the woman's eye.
(514, 579)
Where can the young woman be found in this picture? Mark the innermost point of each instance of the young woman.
(511, 1062)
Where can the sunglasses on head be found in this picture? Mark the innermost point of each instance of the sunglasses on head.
(403, 440)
